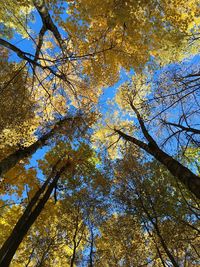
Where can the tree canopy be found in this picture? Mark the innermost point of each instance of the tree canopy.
(99, 133)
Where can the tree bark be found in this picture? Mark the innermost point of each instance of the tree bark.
(48, 22)
(185, 176)
(9, 162)
(29, 216)
(162, 241)
(74, 244)
(91, 249)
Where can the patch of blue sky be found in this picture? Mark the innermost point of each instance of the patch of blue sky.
(109, 93)
(38, 155)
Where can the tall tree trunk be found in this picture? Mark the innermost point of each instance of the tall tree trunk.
(9, 162)
(91, 248)
(74, 243)
(73, 255)
(171, 257)
(185, 176)
(29, 216)
(156, 227)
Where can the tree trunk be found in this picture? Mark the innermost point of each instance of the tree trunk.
(155, 225)
(185, 176)
(74, 243)
(22, 153)
(29, 216)
(91, 249)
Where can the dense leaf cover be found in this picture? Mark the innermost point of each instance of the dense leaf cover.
(89, 177)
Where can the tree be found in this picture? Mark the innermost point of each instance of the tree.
(137, 31)
(10, 161)
(167, 220)
(131, 98)
(188, 178)
(121, 242)
(66, 164)
(29, 216)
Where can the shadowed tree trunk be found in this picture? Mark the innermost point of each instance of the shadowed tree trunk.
(157, 229)
(29, 216)
(91, 248)
(9, 162)
(76, 238)
(185, 176)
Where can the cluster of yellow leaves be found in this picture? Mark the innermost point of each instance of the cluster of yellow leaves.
(13, 15)
(104, 135)
(56, 96)
(121, 239)
(17, 178)
(135, 31)
(49, 103)
(17, 116)
(121, 114)
(135, 91)
(177, 237)
(8, 219)
(184, 15)
(51, 236)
